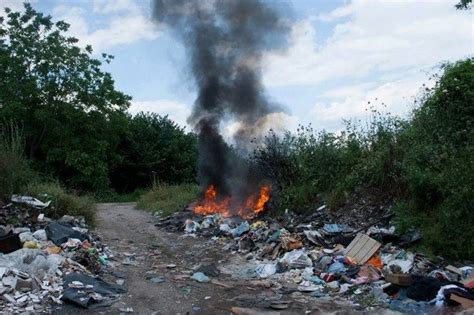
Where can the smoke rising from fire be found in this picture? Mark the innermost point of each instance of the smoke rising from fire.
(225, 43)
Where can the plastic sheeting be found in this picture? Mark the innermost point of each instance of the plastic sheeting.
(59, 233)
(30, 201)
(32, 261)
(94, 293)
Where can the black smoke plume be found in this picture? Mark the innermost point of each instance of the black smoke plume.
(225, 41)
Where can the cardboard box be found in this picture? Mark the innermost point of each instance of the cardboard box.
(466, 303)
(362, 248)
(403, 279)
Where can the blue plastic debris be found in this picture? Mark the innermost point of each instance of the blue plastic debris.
(241, 229)
(336, 267)
(337, 228)
(200, 277)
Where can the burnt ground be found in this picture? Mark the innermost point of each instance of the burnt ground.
(132, 233)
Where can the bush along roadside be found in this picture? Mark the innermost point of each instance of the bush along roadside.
(63, 203)
(166, 199)
(421, 166)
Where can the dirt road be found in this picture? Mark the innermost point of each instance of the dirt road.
(155, 266)
(130, 231)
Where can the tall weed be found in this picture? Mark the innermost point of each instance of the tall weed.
(15, 171)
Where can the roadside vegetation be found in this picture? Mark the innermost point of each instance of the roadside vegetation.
(166, 199)
(15, 170)
(62, 202)
(17, 176)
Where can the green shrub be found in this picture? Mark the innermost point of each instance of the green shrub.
(112, 196)
(15, 171)
(166, 199)
(438, 166)
(62, 202)
(309, 166)
(155, 149)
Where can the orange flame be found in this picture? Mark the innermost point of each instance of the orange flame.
(253, 205)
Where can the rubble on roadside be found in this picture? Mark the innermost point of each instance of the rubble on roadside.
(366, 264)
(45, 263)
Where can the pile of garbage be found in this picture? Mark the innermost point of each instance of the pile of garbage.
(368, 266)
(45, 262)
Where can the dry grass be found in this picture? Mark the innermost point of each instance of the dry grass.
(166, 199)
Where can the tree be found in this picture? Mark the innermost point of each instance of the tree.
(71, 114)
(464, 5)
(155, 149)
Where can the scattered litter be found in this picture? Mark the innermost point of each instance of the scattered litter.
(10, 243)
(289, 242)
(362, 248)
(241, 229)
(93, 293)
(399, 262)
(210, 270)
(59, 233)
(157, 280)
(303, 260)
(39, 255)
(410, 237)
(265, 270)
(30, 201)
(401, 279)
(296, 259)
(200, 277)
(126, 310)
(191, 226)
(337, 228)
(313, 236)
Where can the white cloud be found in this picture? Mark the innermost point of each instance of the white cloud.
(374, 36)
(176, 111)
(114, 6)
(377, 49)
(122, 30)
(396, 97)
(126, 23)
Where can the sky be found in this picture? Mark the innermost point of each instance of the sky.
(342, 55)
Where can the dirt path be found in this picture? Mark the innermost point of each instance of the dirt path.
(130, 231)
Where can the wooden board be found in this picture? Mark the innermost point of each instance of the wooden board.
(463, 301)
(453, 269)
(362, 248)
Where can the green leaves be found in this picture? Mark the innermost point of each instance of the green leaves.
(155, 149)
(58, 91)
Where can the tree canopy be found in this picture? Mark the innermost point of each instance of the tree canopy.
(73, 118)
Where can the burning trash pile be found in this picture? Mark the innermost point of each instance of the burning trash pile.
(45, 262)
(367, 266)
(251, 207)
